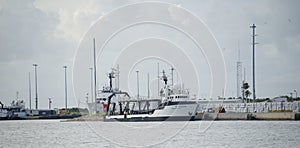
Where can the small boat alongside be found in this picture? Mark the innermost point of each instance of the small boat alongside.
(17, 111)
(14, 112)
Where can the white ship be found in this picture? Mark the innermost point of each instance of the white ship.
(175, 104)
(176, 108)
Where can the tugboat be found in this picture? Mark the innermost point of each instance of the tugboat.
(175, 105)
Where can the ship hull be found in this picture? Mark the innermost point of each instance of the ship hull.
(153, 119)
(179, 112)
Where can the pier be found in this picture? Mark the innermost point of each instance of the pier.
(249, 116)
(249, 111)
(261, 107)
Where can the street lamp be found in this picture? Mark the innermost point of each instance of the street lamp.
(29, 87)
(137, 81)
(66, 94)
(138, 89)
(148, 89)
(92, 94)
(253, 46)
(36, 87)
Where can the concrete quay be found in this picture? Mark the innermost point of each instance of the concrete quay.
(249, 116)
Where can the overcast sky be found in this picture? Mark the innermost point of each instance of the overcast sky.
(49, 33)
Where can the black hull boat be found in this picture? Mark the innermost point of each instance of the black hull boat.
(151, 119)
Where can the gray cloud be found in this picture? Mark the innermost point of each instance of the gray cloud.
(276, 55)
(48, 33)
(28, 36)
(26, 32)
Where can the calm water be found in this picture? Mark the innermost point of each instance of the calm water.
(53, 133)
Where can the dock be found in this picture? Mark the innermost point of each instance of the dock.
(249, 116)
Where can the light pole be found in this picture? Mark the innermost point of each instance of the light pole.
(137, 84)
(95, 71)
(158, 79)
(29, 89)
(36, 87)
(253, 46)
(138, 89)
(92, 94)
(66, 94)
(148, 85)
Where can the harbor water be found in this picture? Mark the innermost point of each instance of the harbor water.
(53, 133)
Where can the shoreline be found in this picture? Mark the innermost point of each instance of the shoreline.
(249, 116)
(230, 116)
